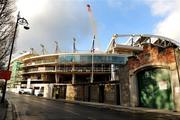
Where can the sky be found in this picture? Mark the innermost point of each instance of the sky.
(63, 20)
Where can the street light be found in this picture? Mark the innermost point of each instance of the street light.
(21, 21)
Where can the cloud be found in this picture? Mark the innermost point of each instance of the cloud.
(60, 20)
(161, 7)
(169, 11)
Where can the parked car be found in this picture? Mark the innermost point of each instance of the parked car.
(28, 91)
(38, 91)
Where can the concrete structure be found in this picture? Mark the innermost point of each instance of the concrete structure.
(69, 75)
(72, 67)
(16, 68)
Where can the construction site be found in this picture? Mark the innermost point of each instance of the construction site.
(144, 71)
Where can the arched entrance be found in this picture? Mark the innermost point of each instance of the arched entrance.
(155, 88)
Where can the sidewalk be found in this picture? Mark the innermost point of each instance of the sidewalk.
(3, 109)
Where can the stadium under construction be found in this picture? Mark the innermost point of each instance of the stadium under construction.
(142, 72)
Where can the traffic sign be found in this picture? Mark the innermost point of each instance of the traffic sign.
(5, 74)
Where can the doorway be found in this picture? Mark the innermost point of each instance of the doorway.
(155, 88)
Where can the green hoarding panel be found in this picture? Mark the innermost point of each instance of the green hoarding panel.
(155, 89)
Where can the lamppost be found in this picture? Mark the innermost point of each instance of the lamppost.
(21, 21)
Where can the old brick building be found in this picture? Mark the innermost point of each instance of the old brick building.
(153, 71)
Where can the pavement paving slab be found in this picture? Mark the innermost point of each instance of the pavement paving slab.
(3, 109)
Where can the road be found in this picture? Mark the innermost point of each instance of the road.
(35, 108)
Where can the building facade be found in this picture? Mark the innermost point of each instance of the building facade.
(73, 68)
(144, 72)
(75, 76)
(153, 73)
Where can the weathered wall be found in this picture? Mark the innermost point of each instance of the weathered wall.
(71, 92)
(124, 85)
(151, 55)
(133, 90)
(48, 89)
(94, 93)
(175, 86)
(86, 93)
(80, 92)
(110, 94)
(154, 56)
(90, 93)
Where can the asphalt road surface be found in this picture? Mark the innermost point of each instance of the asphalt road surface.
(35, 108)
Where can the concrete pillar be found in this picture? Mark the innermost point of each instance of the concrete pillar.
(73, 78)
(92, 78)
(175, 89)
(56, 78)
(48, 90)
(92, 69)
(133, 88)
(56, 74)
(28, 83)
(112, 72)
(73, 74)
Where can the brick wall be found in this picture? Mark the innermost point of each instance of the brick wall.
(151, 54)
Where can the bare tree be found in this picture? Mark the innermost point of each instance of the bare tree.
(7, 25)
